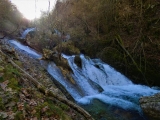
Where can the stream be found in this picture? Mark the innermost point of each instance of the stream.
(104, 92)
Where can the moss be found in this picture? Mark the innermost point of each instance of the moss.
(2, 107)
(13, 83)
(54, 110)
(1, 79)
(10, 71)
(64, 106)
(68, 48)
(19, 116)
(18, 63)
(38, 113)
(38, 95)
(1, 69)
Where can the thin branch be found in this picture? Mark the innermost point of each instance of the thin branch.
(118, 39)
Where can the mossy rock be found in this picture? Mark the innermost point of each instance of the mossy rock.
(48, 54)
(67, 48)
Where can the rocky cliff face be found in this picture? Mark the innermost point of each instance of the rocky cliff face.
(151, 106)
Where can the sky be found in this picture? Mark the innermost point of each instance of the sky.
(27, 7)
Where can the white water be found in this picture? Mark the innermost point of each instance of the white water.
(117, 89)
(24, 34)
(26, 48)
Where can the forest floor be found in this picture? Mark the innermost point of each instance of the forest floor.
(20, 98)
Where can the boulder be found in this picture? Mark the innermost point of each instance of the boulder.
(67, 48)
(48, 54)
(56, 58)
(77, 61)
(151, 106)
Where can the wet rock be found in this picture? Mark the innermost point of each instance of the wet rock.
(77, 61)
(151, 106)
(48, 54)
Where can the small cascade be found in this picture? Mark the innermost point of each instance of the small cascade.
(24, 34)
(25, 48)
(117, 89)
(101, 73)
(56, 73)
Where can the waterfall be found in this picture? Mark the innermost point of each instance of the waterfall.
(24, 34)
(96, 80)
(118, 89)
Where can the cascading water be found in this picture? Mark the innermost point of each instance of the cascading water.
(26, 49)
(118, 90)
(24, 34)
(96, 80)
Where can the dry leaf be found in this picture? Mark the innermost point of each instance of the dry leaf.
(11, 104)
(22, 97)
(24, 91)
(35, 118)
(4, 84)
(9, 90)
(33, 112)
(11, 115)
(3, 115)
(45, 118)
(44, 109)
(1, 74)
(20, 106)
(32, 102)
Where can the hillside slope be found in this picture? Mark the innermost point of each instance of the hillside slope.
(23, 93)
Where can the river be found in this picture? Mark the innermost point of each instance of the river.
(104, 92)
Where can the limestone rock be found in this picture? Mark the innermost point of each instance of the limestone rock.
(151, 106)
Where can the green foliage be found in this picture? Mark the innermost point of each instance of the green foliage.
(11, 71)
(2, 107)
(19, 116)
(14, 84)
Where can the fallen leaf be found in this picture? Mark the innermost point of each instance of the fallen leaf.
(35, 118)
(3, 115)
(1, 68)
(22, 97)
(9, 90)
(11, 104)
(45, 118)
(32, 102)
(1, 74)
(33, 112)
(24, 91)
(11, 115)
(4, 84)
(20, 106)
(44, 109)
